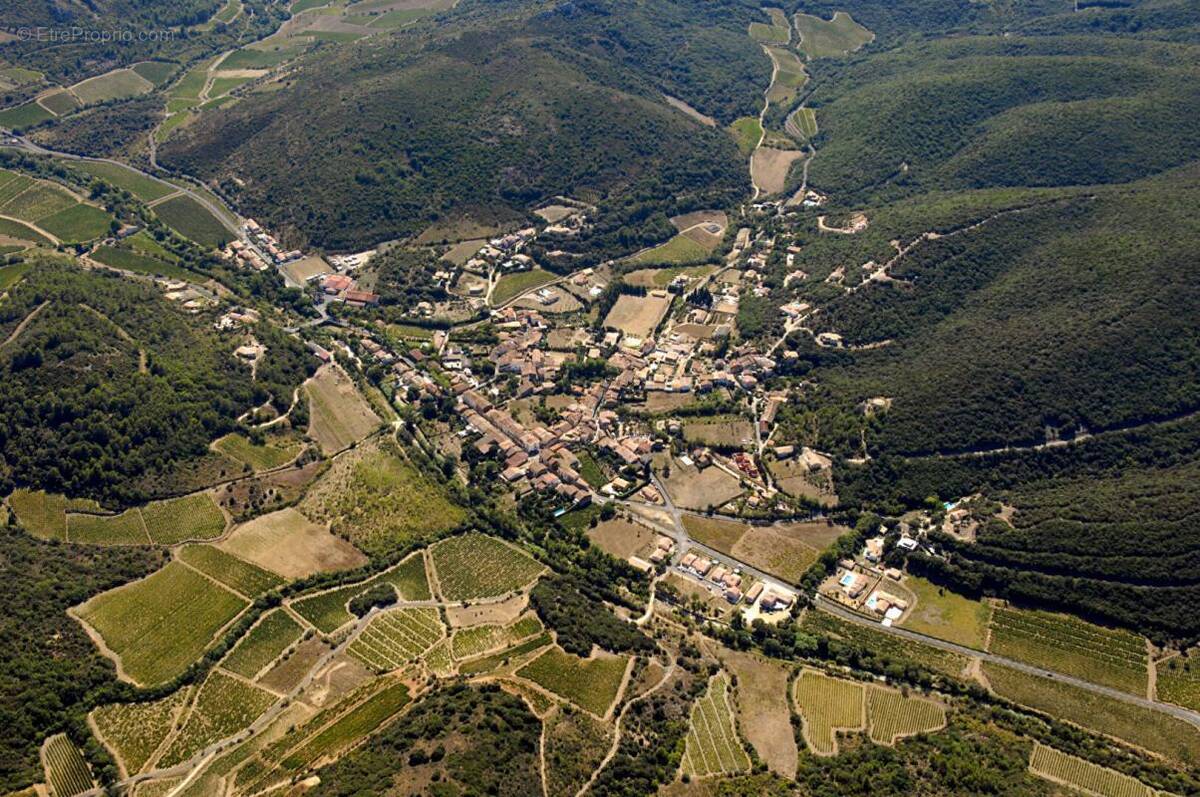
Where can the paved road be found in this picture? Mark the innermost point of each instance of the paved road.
(1166, 708)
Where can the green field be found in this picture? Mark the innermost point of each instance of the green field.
(790, 76)
(258, 457)
(135, 730)
(157, 72)
(327, 611)
(712, 746)
(38, 200)
(130, 260)
(892, 716)
(191, 84)
(115, 85)
(224, 706)
(678, 251)
(77, 224)
(223, 85)
(747, 132)
(590, 684)
(274, 634)
(396, 637)
(409, 579)
(15, 229)
(184, 519)
(66, 770)
(123, 529)
(827, 705)
(187, 217)
(23, 116)
(513, 285)
(803, 122)
(353, 725)
(473, 565)
(769, 34)
(946, 615)
(488, 663)
(1178, 680)
(51, 208)
(1065, 644)
(44, 515)
(11, 275)
(820, 38)
(163, 623)
(1144, 727)
(60, 103)
(238, 575)
(253, 58)
(141, 186)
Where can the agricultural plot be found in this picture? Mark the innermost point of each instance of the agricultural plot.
(477, 640)
(790, 76)
(678, 251)
(512, 285)
(160, 625)
(820, 38)
(1067, 770)
(22, 232)
(327, 610)
(1178, 680)
(258, 58)
(724, 432)
(339, 415)
(438, 659)
(124, 258)
(775, 551)
(661, 278)
(504, 657)
(290, 545)
(223, 707)
(123, 529)
(712, 746)
(38, 200)
(947, 615)
(409, 579)
(141, 186)
(190, 517)
(769, 168)
(50, 207)
(396, 637)
(60, 103)
(620, 537)
(157, 72)
(44, 515)
(241, 577)
(802, 123)
(350, 727)
(591, 684)
(1152, 730)
(269, 638)
(191, 220)
(638, 316)
(1060, 642)
(769, 34)
(258, 457)
(134, 731)
(889, 645)
(472, 566)
(692, 488)
(747, 132)
(114, 85)
(762, 708)
(66, 771)
(828, 706)
(892, 716)
(23, 116)
(76, 224)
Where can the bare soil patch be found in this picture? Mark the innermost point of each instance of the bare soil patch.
(286, 674)
(339, 415)
(638, 316)
(769, 168)
(764, 717)
(499, 613)
(621, 538)
(694, 489)
(288, 543)
(307, 268)
(680, 105)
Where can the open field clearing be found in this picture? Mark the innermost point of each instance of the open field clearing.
(678, 251)
(828, 706)
(123, 529)
(714, 532)
(135, 183)
(821, 38)
(638, 316)
(160, 625)
(790, 76)
(60, 103)
(269, 638)
(38, 200)
(190, 517)
(769, 168)
(591, 684)
(620, 537)
(1058, 767)
(1178, 680)
(242, 577)
(438, 660)
(350, 727)
(712, 745)
(380, 501)
(128, 259)
(51, 208)
(794, 476)
(115, 85)
(157, 72)
(472, 566)
(396, 637)
(947, 615)
(290, 545)
(1059, 642)
(307, 268)
(66, 771)
(762, 708)
(687, 220)
(886, 644)
(775, 551)
(480, 639)
(295, 665)
(77, 224)
(769, 34)
(134, 731)
(463, 251)
(224, 706)
(22, 232)
(575, 744)
(661, 278)
(692, 488)
(728, 432)
(259, 57)
(409, 578)
(892, 716)
(1143, 727)
(747, 132)
(494, 612)
(258, 457)
(512, 285)
(191, 220)
(339, 415)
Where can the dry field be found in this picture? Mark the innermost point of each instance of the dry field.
(763, 714)
(769, 168)
(307, 268)
(500, 613)
(287, 543)
(695, 489)
(734, 432)
(339, 415)
(794, 477)
(776, 552)
(638, 316)
(621, 538)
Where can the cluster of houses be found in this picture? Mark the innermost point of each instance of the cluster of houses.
(343, 288)
(727, 580)
(260, 250)
(663, 548)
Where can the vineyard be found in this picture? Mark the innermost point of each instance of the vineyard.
(123, 529)
(1179, 680)
(224, 706)
(827, 706)
(480, 639)
(394, 638)
(409, 579)
(1058, 642)
(472, 566)
(350, 727)
(135, 730)
(66, 771)
(892, 716)
(437, 659)
(1058, 767)
(163, 623)
(327, 611)
(274, 634)
(713, 747)
(192, 517)
(591, 684)
(240, 576)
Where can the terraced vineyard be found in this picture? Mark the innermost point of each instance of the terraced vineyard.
(480, 639)
(396, 637)
(591, 684)
(224, 706)
(1059, 642)
(241, 576)
(712, 746)
(1058, 767)
(892, 716)
(274, 634)
(827, 706)
(135, 730)
(66, 771)
(472, 566)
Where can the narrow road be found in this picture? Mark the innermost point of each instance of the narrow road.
(1178, 712)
